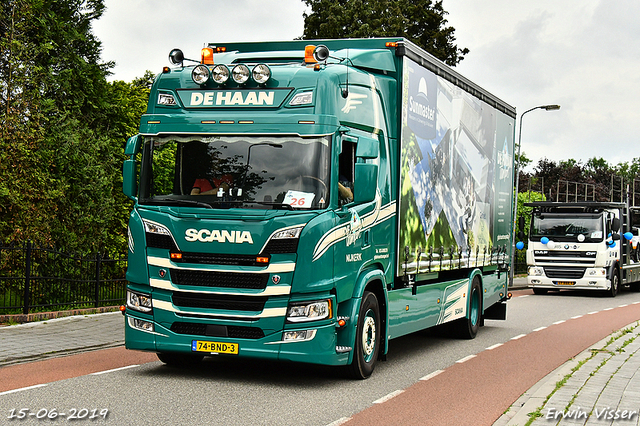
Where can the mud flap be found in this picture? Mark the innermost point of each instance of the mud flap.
(496, 312)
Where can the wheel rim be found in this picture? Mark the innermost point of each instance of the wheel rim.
(368, 336)
(475, 307)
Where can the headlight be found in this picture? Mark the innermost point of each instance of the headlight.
(220, 74)
(241, 73)
(599, 272)
(200, 74)
(139, 302)
(304, 98)
(166, 99)
(536, 271)
(155, 228)
(309, 311)
(261, 73)
(287, 233)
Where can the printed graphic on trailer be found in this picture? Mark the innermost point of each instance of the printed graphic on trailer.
(456, 153)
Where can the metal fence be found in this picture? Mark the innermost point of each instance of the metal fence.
(38, 279)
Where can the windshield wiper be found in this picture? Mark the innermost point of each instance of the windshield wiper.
(174, 202)
(262, 203)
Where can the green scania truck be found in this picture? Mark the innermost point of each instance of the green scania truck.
(309, 201)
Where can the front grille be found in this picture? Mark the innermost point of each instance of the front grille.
(219, 279)
(160, 241)
(289, 245)
(216, 301)
(564, 273)
(219, 259)
(231, 331)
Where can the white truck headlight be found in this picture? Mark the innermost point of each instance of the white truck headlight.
(309, 311)
(139, 302)
(536, 271)
(240, 73)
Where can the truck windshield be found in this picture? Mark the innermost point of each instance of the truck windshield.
(236, 171)
(577, 227)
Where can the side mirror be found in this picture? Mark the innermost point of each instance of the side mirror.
(133, 145)
(129, 168)
(615, 224)
(367, 148)
(366, 182)
(129, 179)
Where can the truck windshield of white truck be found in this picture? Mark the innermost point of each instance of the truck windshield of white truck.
(568, 228)
(259, 172)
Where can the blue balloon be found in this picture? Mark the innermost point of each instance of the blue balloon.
(519, 245)
(544, 240)
(628, 235)
(611, 244)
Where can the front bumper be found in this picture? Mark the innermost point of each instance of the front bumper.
(321, 349)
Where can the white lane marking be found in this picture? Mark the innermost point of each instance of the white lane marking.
(115, 369)
(340, 421)
(520, 336)
(497, 345)
(594, 312)
(21, 389)
(465, 359)
(432, 375)
(540, 328)
(388, 397)
(626, 304)
(559, 322)
(577, 316)
(608, 309)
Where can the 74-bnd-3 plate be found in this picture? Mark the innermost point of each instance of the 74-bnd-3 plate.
(215, 347)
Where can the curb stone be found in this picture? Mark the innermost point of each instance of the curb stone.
(536, 398)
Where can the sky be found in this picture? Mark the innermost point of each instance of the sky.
(583, 55)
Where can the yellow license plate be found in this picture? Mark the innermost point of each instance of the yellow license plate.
(215, 347)
(565, 283)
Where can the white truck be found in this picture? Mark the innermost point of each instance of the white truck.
(583, 246)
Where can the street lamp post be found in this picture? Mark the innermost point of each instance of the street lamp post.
(515, 204)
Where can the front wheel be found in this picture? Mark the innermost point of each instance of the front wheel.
(367, 344)
(467, 328)
(615, 284)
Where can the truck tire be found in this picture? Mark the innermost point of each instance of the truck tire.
(173, 359)
(467, 328)
(615, 284)
(367, 345)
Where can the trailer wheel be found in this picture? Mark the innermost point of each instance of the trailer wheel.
(467, 328)
(367, 344)
(615, 284)
(173, 359)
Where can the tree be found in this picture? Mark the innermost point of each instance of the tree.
(421, 21)
(63, 128)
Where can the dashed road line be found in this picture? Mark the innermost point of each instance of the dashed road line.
(115, 369)
(22, 389)
(388, 396)
(432, 375)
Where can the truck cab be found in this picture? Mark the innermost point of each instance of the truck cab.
(580, 246)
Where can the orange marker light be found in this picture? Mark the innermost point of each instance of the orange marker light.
(261, 259)
(207, 55)
(176, 256)
(308, 54)
(391, 44)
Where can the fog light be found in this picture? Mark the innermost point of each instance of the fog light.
(261, 73)
(220, 74)
(299, 335)
(200, 74)
(141, 324)
(240, 73)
